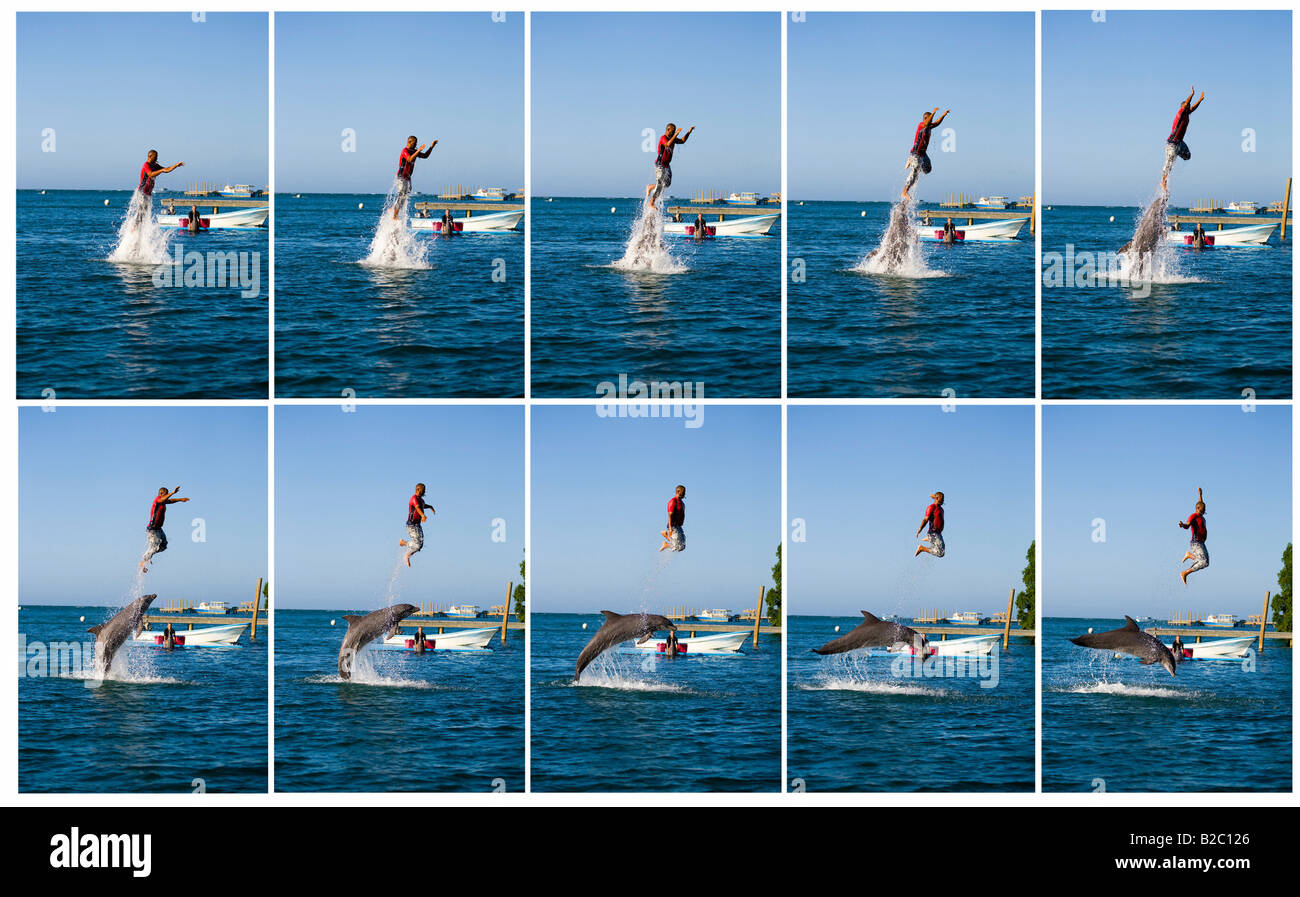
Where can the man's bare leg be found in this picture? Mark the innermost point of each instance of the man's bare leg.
(921, 548)
(1184, 576)
(1187, 557)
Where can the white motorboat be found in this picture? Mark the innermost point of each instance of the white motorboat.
(245, 191)
(487, 222)
(958, 647)
(468, 611)
(966, 618)
(742, 199)
(992, 202)
(747, 226)
(716, 615)
(1242, 207)
(207, 637)
(1227, 621)
(236, 218)
(714, 643)
(1250, 235)
(998, 231)
(1219, 649)
(452, 640)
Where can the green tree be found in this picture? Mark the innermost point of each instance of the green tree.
(519, 595)
(1025, 610)
(1282, 600)
(774, 592)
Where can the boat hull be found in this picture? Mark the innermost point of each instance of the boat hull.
(748, 226)
(239, 218)
(1219, 649)
(999, 231)
(1252, 235)
(207, 637)
(491, 222)
(714, 643)
(456, 640)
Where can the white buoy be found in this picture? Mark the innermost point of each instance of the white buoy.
(584, 625)
(331, 622)
(361, 205)
(837, 629)
(612, 210)
(1090, 630)
(83, 619)
(297, 196)
(106, 202)
(1112, 219)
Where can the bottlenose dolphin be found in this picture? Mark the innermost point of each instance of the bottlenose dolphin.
(620, 628)
(1130, 639)
(124, 625)
(363, 630)
(874, 632)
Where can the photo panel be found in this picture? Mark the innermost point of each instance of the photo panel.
(1167, 663)
(143, 600)
(400, 210)
(656, 667)
(1166, 262)
(141, 251)
(656, 271)
(912, 598)
(912, 206)
(399, 660)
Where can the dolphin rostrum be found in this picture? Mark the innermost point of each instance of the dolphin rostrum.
(124, 625)
(620, 628)
(1130, 639)
(363, 630)
(874, 632)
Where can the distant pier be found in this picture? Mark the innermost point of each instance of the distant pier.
(1205, 212)
(249, 613)
(724, 211)
(1026, 206)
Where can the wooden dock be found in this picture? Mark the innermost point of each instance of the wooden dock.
(723, 211)
(171, 202)
(179, 613)
(1208, 215)
(972, 215)
(754, 619)
(469, 208)
(429, 618)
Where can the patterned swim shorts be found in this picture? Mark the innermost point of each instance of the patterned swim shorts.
(414, 537)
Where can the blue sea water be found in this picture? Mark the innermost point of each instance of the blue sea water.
(441, 721)
(161, 721)
(1115, 724)
(970, 328)
(89, 328)
(649, 723)
(718, 322)
(856, 726)
(449, 329)
(1218, 325)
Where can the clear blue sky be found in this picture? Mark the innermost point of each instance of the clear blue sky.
(454, 77)
(859, 82)
(1138, 469)
(600, 492)
(113, 87)
(342, 481)
(600, 79)
(861, 478)
(1111, 90)
(87, 477)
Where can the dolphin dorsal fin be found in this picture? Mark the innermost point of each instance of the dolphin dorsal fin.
(351, 618)
(871, 618)
(95, 629)
(1130, 624)
(610, 616)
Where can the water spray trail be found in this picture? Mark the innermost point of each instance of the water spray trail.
(395, 245)
(140, 241)
(899, 252)
(646, 249)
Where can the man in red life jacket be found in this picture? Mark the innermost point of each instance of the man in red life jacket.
(150, 170)
(1196, 551)
(406, 167)
(917, 159)
(934, 519)
(415, 516)
(154, 531)
(674, 536)
(663, 161)
(1174, 145)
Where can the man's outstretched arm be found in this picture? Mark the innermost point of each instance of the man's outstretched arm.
(1198, 102)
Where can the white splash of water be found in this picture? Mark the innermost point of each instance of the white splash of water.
(140, 241)
(899, 253)
(855, 671)
(1121, 689)
(646, 249)
(395, 245)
